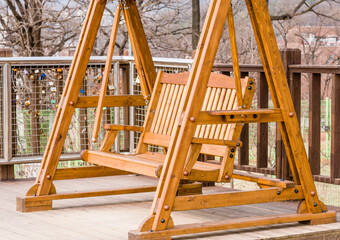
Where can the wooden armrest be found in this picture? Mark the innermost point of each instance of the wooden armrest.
(244, 112)
(216, 142)
(123, 127)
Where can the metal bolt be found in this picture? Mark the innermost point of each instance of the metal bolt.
(312, 193)
(232, 150)
(251, 82)
(71, 103)
(238, 144)
(278, 192)
(296, 190)
(254, 115)
(185, 173)
(48, 177)
(291, 114)
(315, 204)
(249, 88)
(150, 230)
(192, 119)
(232, 116)
(34, 195)
(226, 177)
(162, 220)
(324, 211)
(166, 208)
(231, 155)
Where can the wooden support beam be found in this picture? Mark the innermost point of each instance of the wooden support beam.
(69, 97)
(247, 222)
(273, 194)
(87, 172)
(111, 101)
(261, 180)
(60, 196)
(6, 173)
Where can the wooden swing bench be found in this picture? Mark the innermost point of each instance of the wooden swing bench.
(215, 139)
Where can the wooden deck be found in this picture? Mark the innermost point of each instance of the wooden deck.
(112, 217)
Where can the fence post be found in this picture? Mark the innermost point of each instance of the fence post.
(335, 146)
(262, 128)
(7, 171)
(314, 130)
(289, 57)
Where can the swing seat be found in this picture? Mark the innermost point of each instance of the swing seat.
(219, 140)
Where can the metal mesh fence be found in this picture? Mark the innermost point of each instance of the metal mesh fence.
(36, 91)
(140, 111)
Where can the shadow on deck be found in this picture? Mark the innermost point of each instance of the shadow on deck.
(112, 217)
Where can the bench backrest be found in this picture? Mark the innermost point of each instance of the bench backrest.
(163, 110)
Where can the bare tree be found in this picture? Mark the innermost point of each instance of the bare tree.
(39, 27)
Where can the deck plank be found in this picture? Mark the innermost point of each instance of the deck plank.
(111, 217)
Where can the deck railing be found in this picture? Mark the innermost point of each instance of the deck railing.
(30, 89)
(325, 169)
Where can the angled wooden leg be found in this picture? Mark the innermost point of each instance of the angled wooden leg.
(278, 87)
(69, 97)
(181, 141)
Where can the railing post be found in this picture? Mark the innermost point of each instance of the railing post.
(243, 157)
(289, 57)
(335, 145)
(314, 122)
(7, 171)
(262, 128)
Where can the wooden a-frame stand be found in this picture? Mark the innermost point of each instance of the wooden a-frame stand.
(159, 224)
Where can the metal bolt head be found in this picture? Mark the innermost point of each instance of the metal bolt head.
(48, 177)
(232, 116)
(251, 82)
(312, 193)
(166, 208)
(254, 115)
(238, 144)
(185, 173)
(226, 177)
(291, 114)
(162, 220)
(296, 190)
(231, 155)
(315, 204)
(192, 119)
(278, 192)
(249, 88)
(232, 150)
(71, 103)
(150, 230)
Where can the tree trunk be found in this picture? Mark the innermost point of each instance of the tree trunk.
(196, 17)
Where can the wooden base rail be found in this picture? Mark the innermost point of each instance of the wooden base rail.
(183, 203)
(308, 218)
(43, 203)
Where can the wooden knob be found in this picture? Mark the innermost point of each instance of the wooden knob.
(166, 208)
(185, 173)
(48, 177)
(71, 103)
(192, 119)
(291, 114)
(312, 193)
(226, 177)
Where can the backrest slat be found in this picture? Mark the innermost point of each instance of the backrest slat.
(220, 95)
(175, 110)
